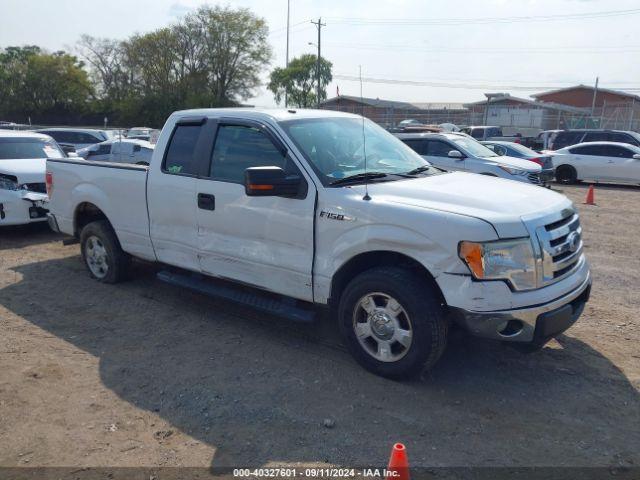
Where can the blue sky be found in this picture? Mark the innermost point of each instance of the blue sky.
(477, 58)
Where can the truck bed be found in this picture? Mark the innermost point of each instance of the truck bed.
(118, 190)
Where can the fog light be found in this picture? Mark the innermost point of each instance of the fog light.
(510, 328)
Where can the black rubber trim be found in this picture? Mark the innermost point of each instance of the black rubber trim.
(138, 168)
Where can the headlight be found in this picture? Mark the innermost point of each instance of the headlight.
(510, 260)
(513, 171)
(7, 183)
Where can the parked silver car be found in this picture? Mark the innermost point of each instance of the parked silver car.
(457, 151)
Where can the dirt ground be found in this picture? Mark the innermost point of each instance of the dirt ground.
(145, 374)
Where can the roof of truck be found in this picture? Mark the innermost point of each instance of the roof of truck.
(277, 114)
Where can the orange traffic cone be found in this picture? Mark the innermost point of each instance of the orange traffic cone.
(399, 463)
(590, 200)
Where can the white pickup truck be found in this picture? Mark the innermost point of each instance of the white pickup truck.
(304, 208)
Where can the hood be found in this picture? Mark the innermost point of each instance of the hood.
(30, 170)
(498, 201)
(515, 163)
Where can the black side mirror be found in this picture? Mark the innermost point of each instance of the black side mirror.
(270, 182)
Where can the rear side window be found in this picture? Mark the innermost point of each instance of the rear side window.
(586, 150)
(104, 149)
(598, 137)
(623, 138)
(477, 133)
(417, 145)
(564, 139)
(180, 158)
(240, 147)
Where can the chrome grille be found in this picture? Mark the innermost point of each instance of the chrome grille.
(560, 241)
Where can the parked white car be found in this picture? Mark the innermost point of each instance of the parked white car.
(119, 151)
(79, 137)
(459, 152)
(598, 161)
(291, 203)
(23, 156)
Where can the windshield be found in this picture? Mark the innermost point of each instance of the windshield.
(23, 148)
(335, 147)
(472, 146)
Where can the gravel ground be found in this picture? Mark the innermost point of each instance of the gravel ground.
(145, 374)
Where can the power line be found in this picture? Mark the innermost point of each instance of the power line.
(482, 20)
(596, 49)
(469, 86)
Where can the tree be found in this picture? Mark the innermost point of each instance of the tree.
(41, 85)
(235, 50)
(212, 57)
(299, 80)
(105, 58)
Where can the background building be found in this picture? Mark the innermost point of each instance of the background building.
(555, 109)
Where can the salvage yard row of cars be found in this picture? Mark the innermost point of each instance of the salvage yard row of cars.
(22, 165)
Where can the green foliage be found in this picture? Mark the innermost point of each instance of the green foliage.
(36, 83)
(299, 81)
(212, 57)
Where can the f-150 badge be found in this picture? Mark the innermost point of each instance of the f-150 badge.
(336, 216)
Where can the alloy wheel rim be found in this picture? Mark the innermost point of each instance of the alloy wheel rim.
(96, 255)
(383, 327)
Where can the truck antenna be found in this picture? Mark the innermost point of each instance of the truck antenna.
(364, 143)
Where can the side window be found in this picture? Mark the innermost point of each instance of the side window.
(180, 158)
(439, 149)
(586, 150)
(597, 137)
(477, 133)
(615, 151)
(103, 150)
(240, 147)
(622, 138)
(564, 139)
(417, 145)
(500, 150)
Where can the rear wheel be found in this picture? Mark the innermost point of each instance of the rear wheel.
(102, 254)
(566, 174)
(393, 322)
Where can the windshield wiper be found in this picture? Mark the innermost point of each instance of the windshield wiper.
(418, 170)
(358, 177)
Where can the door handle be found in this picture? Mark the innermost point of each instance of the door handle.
(206, 201)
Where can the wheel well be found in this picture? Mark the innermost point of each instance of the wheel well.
(368, 260)
(86, 213)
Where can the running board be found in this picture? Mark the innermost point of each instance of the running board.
(269, 303)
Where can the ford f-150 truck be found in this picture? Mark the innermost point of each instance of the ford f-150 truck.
(303, 208)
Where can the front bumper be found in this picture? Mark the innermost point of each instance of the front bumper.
(536, 324)
(19, 207)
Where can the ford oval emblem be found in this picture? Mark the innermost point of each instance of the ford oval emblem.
(573, 240)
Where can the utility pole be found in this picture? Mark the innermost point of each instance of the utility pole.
(286, 90)
(318, 24)
(593, 102)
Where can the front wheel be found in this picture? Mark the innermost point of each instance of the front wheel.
(392, 321)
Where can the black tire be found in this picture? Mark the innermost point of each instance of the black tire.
(566, 174)
(423, 309)
(116, 260)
